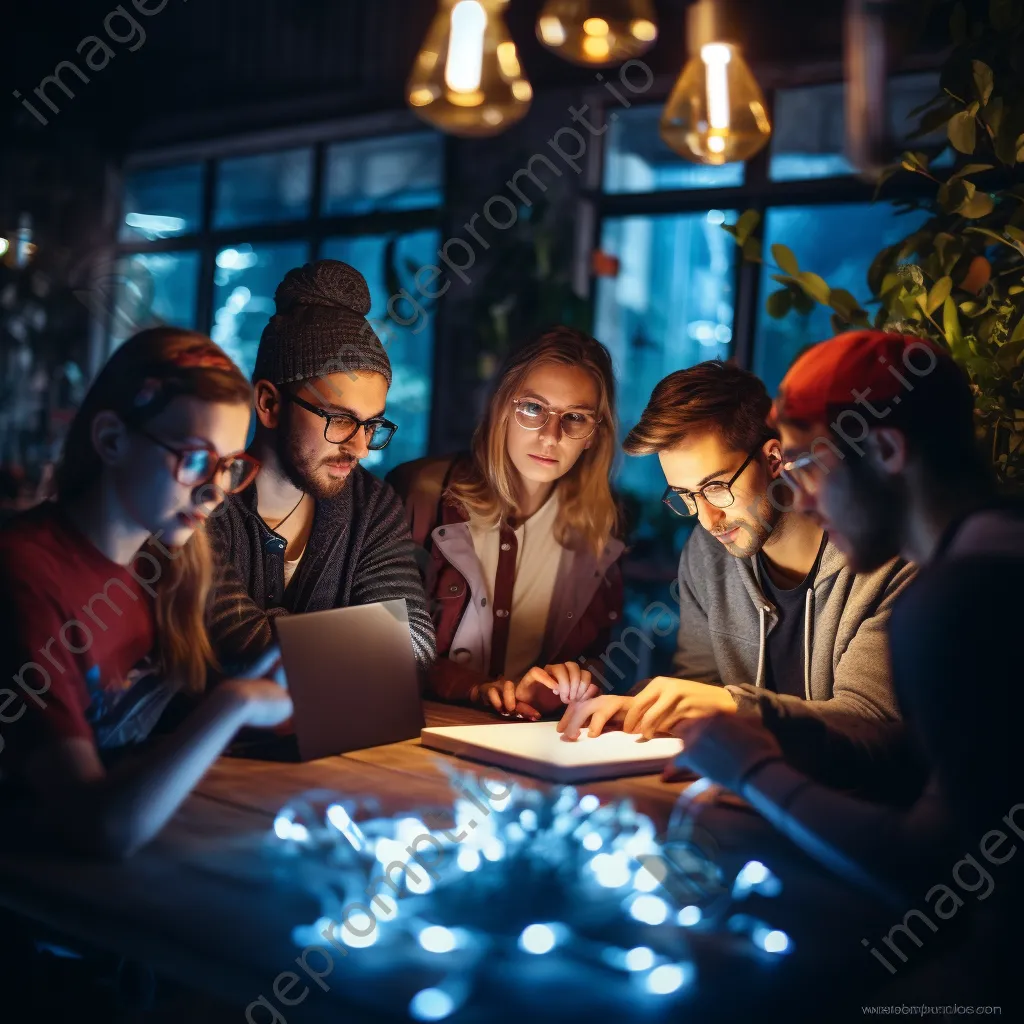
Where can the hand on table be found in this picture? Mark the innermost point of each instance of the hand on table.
(266, 704)
(597, 711)
(539, 692)
(665, 701)
(725, 748)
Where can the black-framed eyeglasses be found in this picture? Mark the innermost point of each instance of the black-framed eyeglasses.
(199, 465)
(533, 415)
(716, 492)
(340, 427)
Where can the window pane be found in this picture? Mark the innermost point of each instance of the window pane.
(265, 188)
(147, 289)
(636, 160)
(162, 202)
(244, 284)
(810, 124)
(836, 242)
(669, 306)
(408, 332)
(401, 172)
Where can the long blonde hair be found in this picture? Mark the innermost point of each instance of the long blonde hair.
(486, 486)
(160, 364)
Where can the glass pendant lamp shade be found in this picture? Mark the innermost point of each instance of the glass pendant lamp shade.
(467, 79)
(598, 33)
(716, 112)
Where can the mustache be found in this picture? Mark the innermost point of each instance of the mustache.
(344, 460)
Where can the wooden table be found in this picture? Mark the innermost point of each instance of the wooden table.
(196, 907)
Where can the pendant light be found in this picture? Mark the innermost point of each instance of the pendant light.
(597, 32)
(467, 79)
(716, 112)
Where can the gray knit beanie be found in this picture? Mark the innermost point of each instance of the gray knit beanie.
(320, 327)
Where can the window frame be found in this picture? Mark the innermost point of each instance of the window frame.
(314, 228)
(757, 192)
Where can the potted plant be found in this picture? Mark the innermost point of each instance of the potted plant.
(959, 278)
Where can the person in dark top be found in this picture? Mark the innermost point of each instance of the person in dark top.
(878, 432)
(315, 530)
(102, 594)
(784, 645)
(771, 618)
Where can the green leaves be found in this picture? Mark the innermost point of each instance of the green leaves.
(784, 257)
(743, 232)
(961, 196)
(982, 75)
(779, 303)
(939, 293)
(961, 129)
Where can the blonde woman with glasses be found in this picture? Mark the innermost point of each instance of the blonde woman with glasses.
(520, 534)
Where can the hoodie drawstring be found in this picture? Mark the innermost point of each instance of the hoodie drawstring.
(807, 642)
(762, 613)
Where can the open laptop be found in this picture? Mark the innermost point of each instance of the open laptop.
(352, 678)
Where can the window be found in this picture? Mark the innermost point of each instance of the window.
(669, 305)
(153, 288)
(245, 280)
(636, 159)
(162, 203)
(398, 173)
(217, 269)
(807, 137)
(837, 242)
(409, 334)
(263, 189)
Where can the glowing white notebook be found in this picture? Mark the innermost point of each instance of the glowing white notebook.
(537, 748)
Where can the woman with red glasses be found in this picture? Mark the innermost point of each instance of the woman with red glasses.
(522, 558)
(102, 597)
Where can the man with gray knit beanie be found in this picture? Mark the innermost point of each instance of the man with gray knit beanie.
(315, 530)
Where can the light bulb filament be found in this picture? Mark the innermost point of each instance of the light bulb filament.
(464, 65)
(716, 57)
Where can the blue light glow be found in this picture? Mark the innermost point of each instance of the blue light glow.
(589, 804)
(592, 841)
(640, 959)
(771, 940)
(644, 881)
(431, 1004)
(537, 938)
(468, 859)
(611, 870)
(437, 939)
(649, 909)
(689, 916)
(665, 979)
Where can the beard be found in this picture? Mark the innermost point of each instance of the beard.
(752, 532)
(869, 518)
(306, 468)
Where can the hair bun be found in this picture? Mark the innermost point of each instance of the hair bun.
(328, 283)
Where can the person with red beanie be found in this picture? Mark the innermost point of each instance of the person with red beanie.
(879, 446)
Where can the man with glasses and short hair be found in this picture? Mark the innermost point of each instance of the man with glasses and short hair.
(316, 531)
(772, 619)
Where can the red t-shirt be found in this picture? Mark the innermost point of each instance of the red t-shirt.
(76, 636)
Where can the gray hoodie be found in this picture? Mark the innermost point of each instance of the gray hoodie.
(724, 618)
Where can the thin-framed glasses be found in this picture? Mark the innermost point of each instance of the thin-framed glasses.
(533, 415)
(199, 465)
(799, 475)
(340, 427)
(716, 492)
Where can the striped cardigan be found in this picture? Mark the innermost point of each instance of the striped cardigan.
(359, 551)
